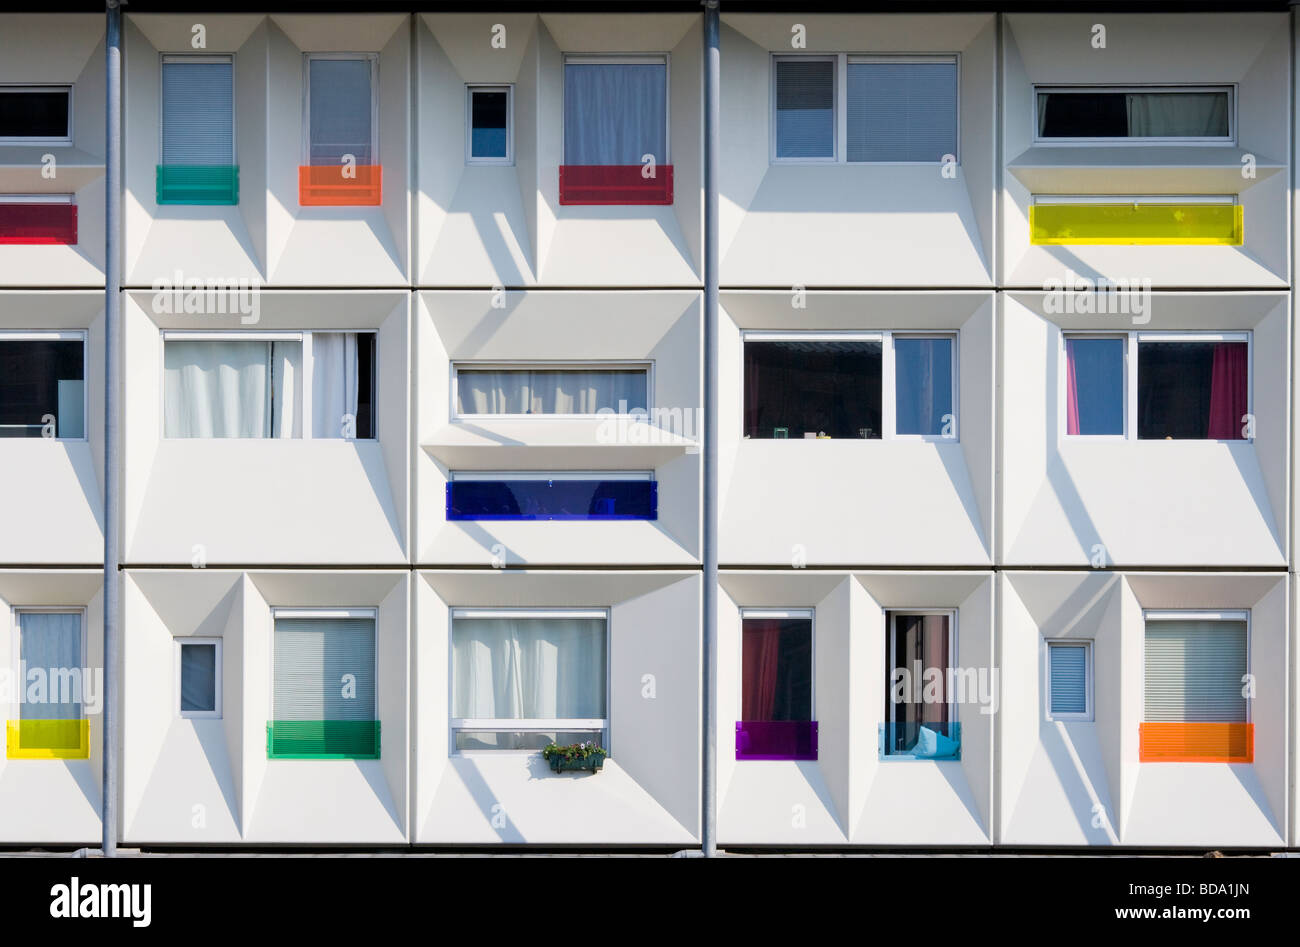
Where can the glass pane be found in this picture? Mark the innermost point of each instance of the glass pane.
(488, 118)
(917, 677)
(806, 388)
(1192, 389)
(34, 113)
(1068, 666)
(552, 499)
(550, 391)
(198, 677)
(51, 643)
(805, 108)
(1101, 114)
(324, 669)
(902, 111)
(40, 380)
(615, 113)
(923, 386)
(342, 385)
(198, 113)
(776, 669)
(528, 740)
(1094, 386)
(1195, 671)
(341, 106)
(232, 389)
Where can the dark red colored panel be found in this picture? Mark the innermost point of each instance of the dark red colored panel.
(38, 223)
(615, 184)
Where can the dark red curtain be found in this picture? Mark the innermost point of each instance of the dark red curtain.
(1228, 390)
(760, 654)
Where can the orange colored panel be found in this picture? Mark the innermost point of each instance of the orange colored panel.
(334, 186)
(1196, 742)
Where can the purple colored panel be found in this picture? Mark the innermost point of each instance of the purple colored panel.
(776, 739)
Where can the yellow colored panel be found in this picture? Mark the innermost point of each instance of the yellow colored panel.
(1191, 223)
(48, 740)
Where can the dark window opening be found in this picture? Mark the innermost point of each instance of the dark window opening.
(1192, 390)
(806, 388)
(34, 113)
(40, 380)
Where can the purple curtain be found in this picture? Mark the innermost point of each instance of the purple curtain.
(1227, 391)
(760, 656)
(1071, 391)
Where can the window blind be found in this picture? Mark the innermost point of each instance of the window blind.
(313, 660)
(615, 113)
(198, 101)
(341, 111)
(51, 641)
(1068, 670)
(198, 677)
(902, 111)
(805, 108)
(1194, 671)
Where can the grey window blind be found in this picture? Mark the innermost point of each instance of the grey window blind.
(198, 113)
(313, 657)
(51, 641)
(198, 677)
(1068, 670)
(805, 108)
(902, 111)
(341, 105)
(615, 113)
(1194, 671)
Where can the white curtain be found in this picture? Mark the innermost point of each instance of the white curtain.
(549, 392)
(614, 113)
(232, 389)
(528, 668)
(51, 641)
(333, 384)
(1177, 115)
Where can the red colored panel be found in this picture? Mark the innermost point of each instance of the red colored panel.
(38, 223)
(1196, 742)
(326, 185)
(615, 184)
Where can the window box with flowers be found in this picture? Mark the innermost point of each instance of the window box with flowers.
(588, 756)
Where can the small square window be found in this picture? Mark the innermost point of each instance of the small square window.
(199, 673)
(1069, 680)
(36, 115)
(490, 133)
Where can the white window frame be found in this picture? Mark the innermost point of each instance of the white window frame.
(1230, 88)
(1132, 340)
(840, 100)
(62, 335)
(800, 613)
(1087, 645)
(1191, 614)
(16, 651)
(313, 612)
(373, 59)
(627, 59)
(509, 89)
(888, 394)
(525, 724)
(56, 140)
(295, 335)
(215, 714)
(542, 366)
(200, 58)
(891, 663)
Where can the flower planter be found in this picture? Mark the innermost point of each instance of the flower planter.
(591, 764)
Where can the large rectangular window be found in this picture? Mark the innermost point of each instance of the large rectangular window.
(1139, 114)
(603, 495)
(35, 114)
(51, 722)
(560, 391)
(776, 686)
(42, 384)
(197, 163)
(849, 385)
(920, 706)
(324, 701)
(523, 679)
(252, 385)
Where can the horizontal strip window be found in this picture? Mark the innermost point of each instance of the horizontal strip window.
(556, 496)
(1137, 219)
(43, 384)
(35, 115)
(552, 390)
(1137, 114)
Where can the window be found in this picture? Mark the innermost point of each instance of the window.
(254, 385)
(197, 163)
(1195, 688)
(51, 651)
(38, 219)
(602, 495)
(776, 686)
(1069, 680)
(556, 390)
(1194, 386)
(920, 703)
(895, 109)
(854, 385)
(323, 686)
(1141, 114)
(341, 109)
(43, 384)
(198, 673)
(35, 115)
(490, 125)
(523, 679)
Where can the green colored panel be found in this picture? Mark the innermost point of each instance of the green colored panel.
(322, 740)
(1136, 224)
(198, 184)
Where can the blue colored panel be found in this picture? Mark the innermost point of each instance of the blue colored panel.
(552, 500)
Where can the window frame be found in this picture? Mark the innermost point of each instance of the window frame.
(54, 141)
(954, 659)
(15, 704)
(800, 613)
(373, 59)
(1132, 339)
(1230, 87)
(624, 59)
(509, 89)
(60, 335)
(840, 100)
(525, 724)
(308, 363)
(1195, 614)
(888, 382)
(1088, 681)
(181, 642)
(200, 59)
(319, 612)
(537, 365)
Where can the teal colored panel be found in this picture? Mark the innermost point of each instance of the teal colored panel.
(198, 184)
(322, 739)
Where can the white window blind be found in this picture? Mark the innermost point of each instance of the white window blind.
(1068, 671)
(1194, 671)
(615, 113)
(324, 669)
(341, 106)
(805, 108)
(904, 111)
(52, 641)
(198, 102)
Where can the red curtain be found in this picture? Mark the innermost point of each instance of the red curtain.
(1228, 391)
(760, 652)
(1071, 391)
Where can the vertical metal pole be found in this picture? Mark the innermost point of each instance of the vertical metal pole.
(112, 432)
(712, 81)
